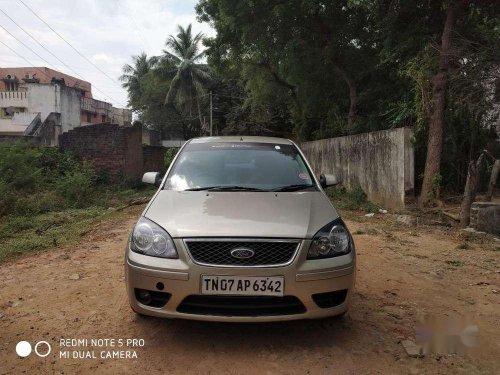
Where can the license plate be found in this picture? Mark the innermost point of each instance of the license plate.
(243, 285)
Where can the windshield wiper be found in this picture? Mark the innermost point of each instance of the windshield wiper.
(225, 188)
(295, 187)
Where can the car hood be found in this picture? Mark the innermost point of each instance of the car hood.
(241, 214)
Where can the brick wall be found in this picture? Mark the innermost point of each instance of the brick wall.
(153, 158)
(113, 150)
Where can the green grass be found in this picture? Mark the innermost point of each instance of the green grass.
(455, 263)
(25, 234)
(354, 199)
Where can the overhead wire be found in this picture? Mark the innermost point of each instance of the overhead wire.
(87, 59)
(27, 47)
(25, 59)
(69, 44)
(107, 96)
(137, 28)
(28, 61)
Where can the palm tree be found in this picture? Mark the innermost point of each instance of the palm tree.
(187, 85)
(134, 74)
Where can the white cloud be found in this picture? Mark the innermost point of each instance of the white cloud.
(107, 32)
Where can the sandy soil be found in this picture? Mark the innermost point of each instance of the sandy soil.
(403, 273)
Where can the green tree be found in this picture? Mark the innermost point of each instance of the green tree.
(450, 50)
(147, 81)
(348, 66)
(187, 87)
(133, 78)
(317, 58)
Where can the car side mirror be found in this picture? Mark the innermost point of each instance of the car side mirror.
(326, 180)
(153, 178)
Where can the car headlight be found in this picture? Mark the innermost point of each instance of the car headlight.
(150, 239)
(332, 240)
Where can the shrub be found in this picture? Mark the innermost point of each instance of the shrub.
(7, 198)
(56, 163)
(170, 155)
(78, 186)
(39, 202)
(19, 166)
(48, 198)
(37, 179)
(354, 199)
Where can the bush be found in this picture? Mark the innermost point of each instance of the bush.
(39, 202)
(7, 198)
(354, 199)
(170, 155)
(78, 186)
(48, 198)
(55, 163)
(36, 179)
(19, 166)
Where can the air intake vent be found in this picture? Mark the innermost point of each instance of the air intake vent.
(241, 306)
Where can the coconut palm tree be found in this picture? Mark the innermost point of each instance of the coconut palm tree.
(189, 74)
(134, 74)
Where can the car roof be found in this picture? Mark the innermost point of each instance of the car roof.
(243, 138)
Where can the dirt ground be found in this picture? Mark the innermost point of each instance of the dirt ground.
(403, 273)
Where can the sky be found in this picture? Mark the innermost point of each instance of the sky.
(107, 32)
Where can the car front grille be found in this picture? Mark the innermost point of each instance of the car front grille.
(241, 305)
(217, 252)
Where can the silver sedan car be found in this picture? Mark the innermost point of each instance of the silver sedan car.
(240, 230)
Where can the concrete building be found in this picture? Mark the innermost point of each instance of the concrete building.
(121, 116)
(27, 92)
(12, 78)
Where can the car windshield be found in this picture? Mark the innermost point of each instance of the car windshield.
(239, 166)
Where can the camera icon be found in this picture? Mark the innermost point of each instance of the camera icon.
(42, 349)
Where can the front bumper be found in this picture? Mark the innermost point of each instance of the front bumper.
(181, 278)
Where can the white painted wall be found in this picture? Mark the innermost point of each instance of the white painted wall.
(47, 98)
(24, 118)
(381, 163)
(121, 116)
(43, 98)
(70, 108)
(172, 143)
(8, 128)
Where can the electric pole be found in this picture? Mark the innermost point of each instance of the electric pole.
(211, 110)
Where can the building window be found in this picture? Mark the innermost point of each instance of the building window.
(11, 85)
(88, 117)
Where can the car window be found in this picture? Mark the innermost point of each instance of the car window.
(248, 165)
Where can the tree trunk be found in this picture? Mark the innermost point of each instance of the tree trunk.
(493, 180)
(435, 137)
(199, 116)
(353, 97)
(470, 190)
(326, 32)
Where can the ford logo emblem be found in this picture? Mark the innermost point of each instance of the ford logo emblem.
(242, 253)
